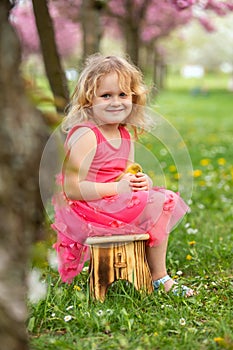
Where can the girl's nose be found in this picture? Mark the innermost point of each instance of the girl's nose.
(115, 101)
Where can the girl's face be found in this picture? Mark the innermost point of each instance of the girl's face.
(111, 105)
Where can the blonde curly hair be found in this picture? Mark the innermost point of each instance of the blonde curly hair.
(130, 81)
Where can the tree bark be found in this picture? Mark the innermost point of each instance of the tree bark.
(53, 67)
(21, 138)
(131, 24)
(132, 41)
(159, 73)
(91, 26)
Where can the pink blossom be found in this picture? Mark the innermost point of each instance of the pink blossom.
(117, 7)
(219, 7)
(67, 33)
(183, 4)
(205, 22)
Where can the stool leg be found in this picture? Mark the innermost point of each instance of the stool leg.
(101, 271)
(142, 279)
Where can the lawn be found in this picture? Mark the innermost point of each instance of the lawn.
(200, 249)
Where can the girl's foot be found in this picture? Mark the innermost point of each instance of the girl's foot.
(170, 285)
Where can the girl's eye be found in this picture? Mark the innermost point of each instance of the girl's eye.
(122, 94)
(106, 96)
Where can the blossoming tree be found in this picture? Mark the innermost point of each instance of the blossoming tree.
(144, 23)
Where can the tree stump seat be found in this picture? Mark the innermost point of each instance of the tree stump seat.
(118, 257)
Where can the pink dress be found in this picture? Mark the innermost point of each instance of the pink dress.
(154, 212)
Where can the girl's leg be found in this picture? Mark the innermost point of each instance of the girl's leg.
(156, 257)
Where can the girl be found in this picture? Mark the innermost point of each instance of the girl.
(96, 199)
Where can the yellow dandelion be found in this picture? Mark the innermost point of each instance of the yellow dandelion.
(197, 173)
(177, 176)
(221, 161)
(219, 340)
(172, 168)
(205, 162)
(77, 288)
(189, 257)
(192, 242)
(202, 183)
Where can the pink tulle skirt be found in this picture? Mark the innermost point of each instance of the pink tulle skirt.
(155, 212)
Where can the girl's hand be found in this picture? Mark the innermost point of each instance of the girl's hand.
(139, 182)
(124, 185)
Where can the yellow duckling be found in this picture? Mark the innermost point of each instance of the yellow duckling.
(133, 168)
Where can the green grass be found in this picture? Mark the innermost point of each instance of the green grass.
(201, 247)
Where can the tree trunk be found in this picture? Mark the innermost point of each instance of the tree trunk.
(147, 58)
(91, 27)
(159, 73)
(131, 24)
(21, 137)
(132, 41)
(54, 71)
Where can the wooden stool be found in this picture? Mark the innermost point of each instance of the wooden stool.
(118, 257)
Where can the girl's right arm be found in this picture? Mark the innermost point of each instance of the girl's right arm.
(82, 152)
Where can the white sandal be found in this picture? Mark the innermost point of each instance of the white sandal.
(178, 290)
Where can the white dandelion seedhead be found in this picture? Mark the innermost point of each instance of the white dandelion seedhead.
(52, 259)
(36, 288)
